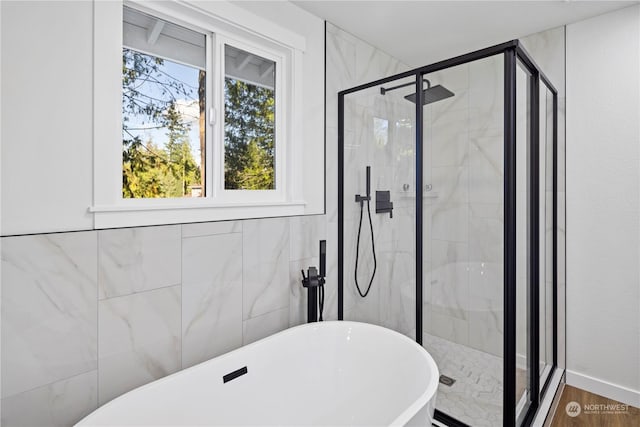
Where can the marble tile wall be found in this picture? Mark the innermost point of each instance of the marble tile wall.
(87, 316)
(49, 328)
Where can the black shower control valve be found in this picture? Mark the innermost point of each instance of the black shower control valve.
(384, 203)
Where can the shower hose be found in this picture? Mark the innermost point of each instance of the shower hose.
(373, 250)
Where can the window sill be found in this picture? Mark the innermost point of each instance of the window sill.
(165, 212)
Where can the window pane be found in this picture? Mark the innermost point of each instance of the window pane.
(249, 128)
(163, 103)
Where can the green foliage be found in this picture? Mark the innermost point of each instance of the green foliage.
(180, 160)
(144, 171)
(151, 171)
(148, 170)
(249, 136)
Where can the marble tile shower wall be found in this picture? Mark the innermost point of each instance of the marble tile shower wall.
(463, 211)
(379, 132)
(463, 206)
(388, 149)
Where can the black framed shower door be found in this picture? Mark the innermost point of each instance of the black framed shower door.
(514, 56)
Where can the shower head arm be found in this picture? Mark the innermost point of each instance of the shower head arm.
(385, 90)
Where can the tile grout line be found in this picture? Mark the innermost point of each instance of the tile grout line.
(197, 236)
(141, 292)
(51, 383)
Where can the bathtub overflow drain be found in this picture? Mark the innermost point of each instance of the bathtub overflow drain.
(448, 381)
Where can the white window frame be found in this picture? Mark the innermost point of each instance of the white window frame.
(281, 140)
(245, 31)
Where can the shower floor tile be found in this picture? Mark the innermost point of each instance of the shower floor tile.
(476, 396)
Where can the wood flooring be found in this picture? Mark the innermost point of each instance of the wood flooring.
(592, 410)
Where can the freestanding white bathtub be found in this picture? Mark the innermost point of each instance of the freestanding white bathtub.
(320, 374)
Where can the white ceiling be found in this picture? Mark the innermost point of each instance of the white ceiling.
(421, 32)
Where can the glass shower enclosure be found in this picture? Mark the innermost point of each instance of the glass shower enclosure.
(447, 224)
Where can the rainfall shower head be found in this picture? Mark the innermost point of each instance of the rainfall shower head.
(432, 94)
(429, 95)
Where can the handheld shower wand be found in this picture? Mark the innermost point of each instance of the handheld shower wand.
(368, 183)
(361, 199)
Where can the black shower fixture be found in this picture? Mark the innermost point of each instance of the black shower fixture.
(314, 282)
(362, 199)
(430, 94)
(384, 203)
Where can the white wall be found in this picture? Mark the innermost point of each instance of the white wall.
(603, 205)
(46, 116)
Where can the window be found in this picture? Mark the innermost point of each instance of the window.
(163, 108)
(205, 111)
(165, 94)
(249, 121)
